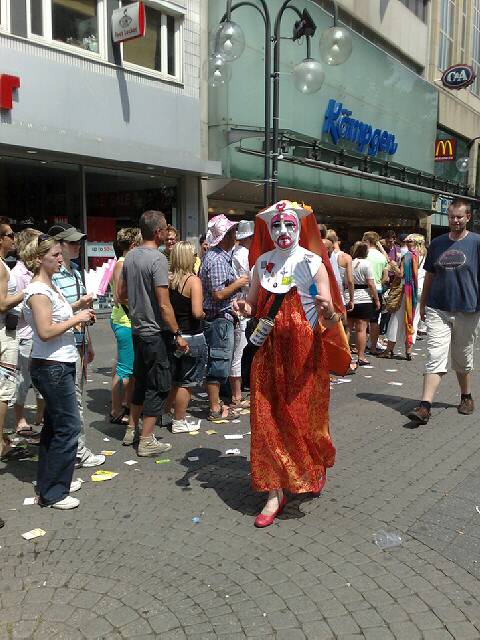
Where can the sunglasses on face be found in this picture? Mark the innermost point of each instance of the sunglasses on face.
(10, 235)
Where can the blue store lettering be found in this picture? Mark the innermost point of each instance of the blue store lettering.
(341, 126)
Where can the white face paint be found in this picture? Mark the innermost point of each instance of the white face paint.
(285, 230)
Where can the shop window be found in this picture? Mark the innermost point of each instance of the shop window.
(476, 46)
(445, 50)
(76, 23)
(160, 50)
(4, 15)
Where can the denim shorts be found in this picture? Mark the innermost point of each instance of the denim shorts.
(219, 335)
(189, 370)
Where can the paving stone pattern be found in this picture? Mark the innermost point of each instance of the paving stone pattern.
(131, 563)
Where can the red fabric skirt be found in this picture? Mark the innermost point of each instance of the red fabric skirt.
(290, 391)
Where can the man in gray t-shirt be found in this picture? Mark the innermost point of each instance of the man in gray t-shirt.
(144, 269)
(144, 287)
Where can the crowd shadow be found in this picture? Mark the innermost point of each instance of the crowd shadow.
(229, 477)
(25, 469)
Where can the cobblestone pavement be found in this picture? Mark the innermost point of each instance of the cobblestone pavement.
(131, 563)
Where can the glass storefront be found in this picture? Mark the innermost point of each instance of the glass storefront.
(37, 193)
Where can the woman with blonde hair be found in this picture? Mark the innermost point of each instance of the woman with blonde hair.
(54, 355)
(188, 370)
(122, 386)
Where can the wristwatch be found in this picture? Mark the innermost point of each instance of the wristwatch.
(177, 335)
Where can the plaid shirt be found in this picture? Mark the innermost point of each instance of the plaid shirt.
(216, 273)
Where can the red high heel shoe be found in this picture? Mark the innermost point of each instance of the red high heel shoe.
(265, 521)
(320, 485)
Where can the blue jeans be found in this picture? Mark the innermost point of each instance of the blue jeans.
(61, 428)
(220, 339)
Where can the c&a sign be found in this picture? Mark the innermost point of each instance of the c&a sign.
(445, 149)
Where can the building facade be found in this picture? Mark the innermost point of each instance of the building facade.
(455, 39)
(99, 132)
(380, 85)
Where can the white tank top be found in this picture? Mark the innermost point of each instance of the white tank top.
(11, 290)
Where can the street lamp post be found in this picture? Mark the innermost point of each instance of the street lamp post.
(335, 48)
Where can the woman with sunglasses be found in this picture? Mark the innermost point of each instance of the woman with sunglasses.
(54, 356)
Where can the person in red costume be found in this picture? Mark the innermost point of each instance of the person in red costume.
(296, 301)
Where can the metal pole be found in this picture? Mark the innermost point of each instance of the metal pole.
(276, 96)
(267, 142)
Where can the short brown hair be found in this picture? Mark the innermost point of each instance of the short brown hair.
(323, 230)
(360, 249)
(128, 236)
(459, 202)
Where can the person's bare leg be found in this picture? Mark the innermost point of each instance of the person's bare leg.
(236, 386)
(464, 380)
(20, 420)
(374, 333)
(170, 401)
(273, 502)
(182, 400)
(361, 336)
(213, 391)
(4, 441)
(127, 392)
(149, 423)
(135, 413)
(39, 412)
(431, 382)
(117, 392)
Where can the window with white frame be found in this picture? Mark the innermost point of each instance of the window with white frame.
(161, 48)
(76, 23)
(475, 88)
(4, 15)
(463, 35)
(447, 19)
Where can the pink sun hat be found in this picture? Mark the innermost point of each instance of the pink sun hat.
(218, 227)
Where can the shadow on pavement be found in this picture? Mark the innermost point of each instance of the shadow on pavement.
(229, 477)
(402, 405)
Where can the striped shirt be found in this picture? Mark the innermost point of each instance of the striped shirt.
(71, 286)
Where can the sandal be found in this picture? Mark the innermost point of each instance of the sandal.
(388, 354)
(408, 356)
(215, 416)
(120, 419)
(26, 432)
(363, 363)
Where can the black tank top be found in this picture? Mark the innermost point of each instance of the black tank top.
(182, 307)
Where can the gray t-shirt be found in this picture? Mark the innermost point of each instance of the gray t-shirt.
(145, 269)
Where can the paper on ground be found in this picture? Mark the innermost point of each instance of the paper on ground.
(391, 370)
(34, 533)
(30, 501)
(396, 384)
(106, 439)
(101, 475)
(193, 458)
(107, 453)
(210, 432)
(202, 395)
(236, 421)
(233, 436)
(130, 462)
(193, 433)
(232, 452)
(367, 376)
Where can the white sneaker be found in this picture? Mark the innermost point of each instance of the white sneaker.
(182, 426)
(67, 503)
(75, 485)
(92, 460)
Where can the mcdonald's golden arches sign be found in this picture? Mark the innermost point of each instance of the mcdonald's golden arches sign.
(445, 149)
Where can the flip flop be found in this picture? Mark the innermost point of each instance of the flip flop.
(26, 432)
(363, 363)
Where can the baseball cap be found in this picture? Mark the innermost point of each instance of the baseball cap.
(66, 233)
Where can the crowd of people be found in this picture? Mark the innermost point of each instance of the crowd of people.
(233, 315)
